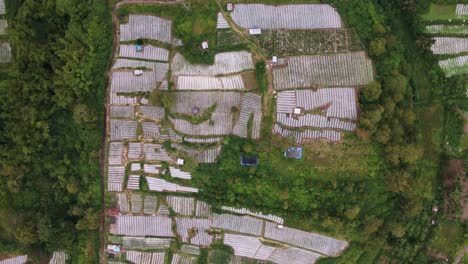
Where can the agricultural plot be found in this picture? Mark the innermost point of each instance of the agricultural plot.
(133, 183)
(224, 63)
(146, 27)
(142, 226)
(145, 257)
(251, 107)
(227, 37)
(150, 204)
(240, 224)
(150, 130)
(3, 26)
(222, 22)
(232, 82)
(454, 66)
(20, 259)
(186, 227)
(301, 136)
(2, 7)
(59, 258)
(134, 151)
(118, 99)
(182, 259)
(178, 173)
(286, 16)
(115, 178)
(160, 185)
(447, 45)
(318, 243)
(306, 42)
(136, 203)
(202, 209)
(152, 112)
(189, 249)
(293, 255)
(343, 69)
(156, 152)
(447, 29)
(244, 246)
(127, 82)
(203, 140)
(146, 243)
(121, 111)
(5, 52)
(115, 153)
(208, 155)
(317, 121)
(148, 53)
(122, 202)
(245, 211)
(123, 129)
(181, 205)
(152, 169)
(461, 10)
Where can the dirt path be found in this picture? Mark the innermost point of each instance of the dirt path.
(460, 255)
(115, 44)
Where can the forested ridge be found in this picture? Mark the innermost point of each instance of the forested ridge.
(52, 107)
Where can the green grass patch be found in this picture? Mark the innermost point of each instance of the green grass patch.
(441, 12)
(448, 238)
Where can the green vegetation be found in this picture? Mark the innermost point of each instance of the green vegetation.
(52, 127)
(440, 12)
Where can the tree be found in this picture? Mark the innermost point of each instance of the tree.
(26, 233)
(372, 91)
(370, 118)
(398, 181)
(377, 47)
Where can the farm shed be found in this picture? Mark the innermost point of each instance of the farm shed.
(146, 27)
(286, 16)
(255, 31)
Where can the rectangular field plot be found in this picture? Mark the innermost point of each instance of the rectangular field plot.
(123, 129)
(224, 63)
(344, 69)
(232, 82)
(2, 7)
(181, 205)
(208, 155)
(145, 257)
(160, 185)
(462, 10)
(152, 112)
(115, 178)
(446, 45)
(158, 69)
(293, 255)
(319, 243)
(305, 42)
(447, 29)
(19, 259)
(59, 257)
(317, 121)
(182, 259)
(454, 66)
(122, 202)
(251, 108)
(142, 226)
(222, 22)
(203, 209)
(127, 82)
(115, 153)
(150, 204)
(286, 16)
(146, 27)
(3, 26)
(156, 152)
(185, 227)
(189, 249)
(117, 99)
(244, 246)
(5, 52)
(146, 243)
(177, 173)
(245, 211)
(301, 136)
(149, 52)
(240, 224)
(121, 111)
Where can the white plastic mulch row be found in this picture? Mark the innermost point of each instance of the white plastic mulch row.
(116, 99)
(186, 101)
(181, 205)
(123, 129)
(133, 182)
(134, 151)
(311, 120)
(202, 209)
(152, 169)
(286, 16)
(222, 22)
(339, 102)
(219, 124)
(150, 130)
(149, 52)
(121, 111)
(203, 140)
(160, 185)
(178, 173)
(448, 45)
(241, 224)
(59, 258)
(136, 203)
(146, 243)
(326, 245)
(5, 52)
(150, 205)
(330, 135)
(146, 27)
(189, 249)
(158, 69)
(454, 66)
(447, 29)
(19, 259)
(208, 155)
(142, 226)
(182, 259)
(461, 10)
(342, 69)
(185, 225)
(232, 82)
(224, 63)
(156, 152)
(127, 82)
(152, 112)
(251, 106)
(246, 211)
(122, 202)
(115, 153)
(168, 133)
(2, 7)
(145, 257)
(3, 26)
(115, 178)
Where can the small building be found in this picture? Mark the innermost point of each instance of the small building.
(255, 31)
(435, 209)
(195, 110)
(280, 226)
(180, 161)
(249, 161)
(274, 59)
(229, 6)
(138, 72)
(139, 47)
(293, 153)
(297, 110)
(113, 248)
(204, 45)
